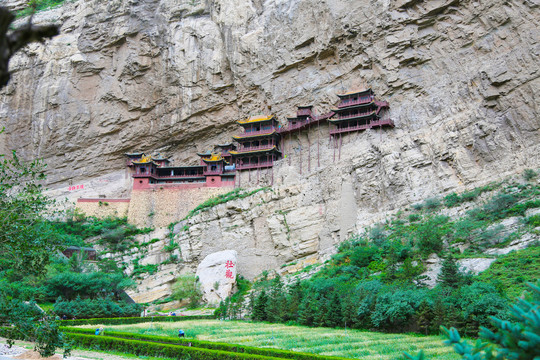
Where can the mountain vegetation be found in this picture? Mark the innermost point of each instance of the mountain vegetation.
(375, 279)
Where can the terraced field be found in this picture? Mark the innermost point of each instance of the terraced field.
(324, 341)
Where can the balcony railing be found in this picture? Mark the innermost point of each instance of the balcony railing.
(362, 100)
(255, 148)
(303, 112)
(213, 172)
(384, 122)
(255, 166)
(343, 117)
(168, 176)
(260, 132)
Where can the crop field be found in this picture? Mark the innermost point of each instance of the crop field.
(323, 341)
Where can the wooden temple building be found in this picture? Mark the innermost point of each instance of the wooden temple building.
(357, 111)
(260, 144)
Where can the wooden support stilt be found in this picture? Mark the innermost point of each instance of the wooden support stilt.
(309, 151)
(318, 141)
(300, 152)
(249, 175)
(340, 142)
(272, 173)
(290, 145)
(335, 145)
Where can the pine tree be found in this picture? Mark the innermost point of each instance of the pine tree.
(259, 309)
(424, 317)
(334, 316)
(294, 299)
(519, 340)
(450, 274)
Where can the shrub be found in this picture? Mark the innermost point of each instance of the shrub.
(518, 340)
(534, 220)
(102, 308)
(429, 235)
(452, 199)
(187, 287)
(529, 174)
(414, 217)
(432, 203)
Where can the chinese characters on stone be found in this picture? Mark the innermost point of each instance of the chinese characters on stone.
(228, 273)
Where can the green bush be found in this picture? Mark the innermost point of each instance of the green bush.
(187, 287)
(132, 320)
(162, 346)
(432, 203)
(69, 284)
(39, 6)
(529, 174)
(88, 308)
(210, 345)
(519, 340)
(431, 233)
(534, 220)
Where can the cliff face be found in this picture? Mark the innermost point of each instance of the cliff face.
(172, 76)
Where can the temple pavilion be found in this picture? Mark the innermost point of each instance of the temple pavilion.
(148, 170)
(358, 110)
(258, 144)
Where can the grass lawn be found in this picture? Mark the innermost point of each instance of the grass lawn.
(324, 341)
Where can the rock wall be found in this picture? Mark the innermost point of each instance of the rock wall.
(174, 76)
(101, 208)
(163, 206)
(461, 78)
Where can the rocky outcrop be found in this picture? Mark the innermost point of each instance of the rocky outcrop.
(217, 275)
(461, 78)
(161, 75)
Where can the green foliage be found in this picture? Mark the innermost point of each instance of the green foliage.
(91, 308)
(533, 221)
(529, 174)
(163, 346)
(70, 285)
(187, 287)
(512, 271)
(233, 307)
(454, 199)
(432, 203)
(519, 340)
(171, 246)
(27, 322)
(131, 320)
(26, 241)
(38, 5)
(237, 193)
(26, 237)
(430, 234)
(138, 269)
(450, 274)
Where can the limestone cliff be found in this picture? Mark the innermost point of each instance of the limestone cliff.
(461, 78)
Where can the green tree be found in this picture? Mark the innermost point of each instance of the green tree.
(259, 309)
(518, 340)
(187, 287)
(450, 274)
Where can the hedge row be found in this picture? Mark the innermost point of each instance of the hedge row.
(143, 348)
(207, 345)
(133, 320)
